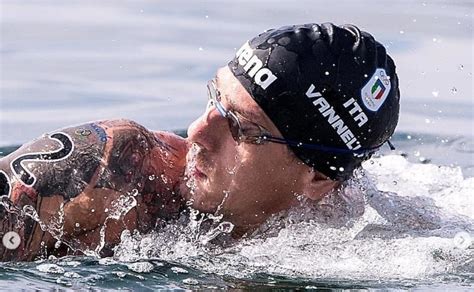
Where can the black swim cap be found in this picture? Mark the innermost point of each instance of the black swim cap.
(332, 87)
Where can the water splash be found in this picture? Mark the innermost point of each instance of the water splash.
(190, 165)
(223, 227)
(122, 205)
(369, 229)
(55, 227)
(120, 208)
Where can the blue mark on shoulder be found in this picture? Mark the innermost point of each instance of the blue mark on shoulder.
(100, 132)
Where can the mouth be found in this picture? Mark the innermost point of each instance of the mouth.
(193, 166)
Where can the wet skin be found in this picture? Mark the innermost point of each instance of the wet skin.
(244, 182)
(77, 178)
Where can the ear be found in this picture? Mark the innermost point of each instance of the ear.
(318, 185)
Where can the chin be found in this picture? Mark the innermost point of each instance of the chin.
(197, 190)
(203, 202)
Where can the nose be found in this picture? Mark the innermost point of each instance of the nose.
(208, 129)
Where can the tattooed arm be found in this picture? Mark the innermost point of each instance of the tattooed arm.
(78, 188)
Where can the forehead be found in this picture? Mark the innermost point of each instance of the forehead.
(239, 100)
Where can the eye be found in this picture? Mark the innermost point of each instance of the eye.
(250, 130)
(257, 140)
(253, 134)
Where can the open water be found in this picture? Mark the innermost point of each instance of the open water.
(67, 62)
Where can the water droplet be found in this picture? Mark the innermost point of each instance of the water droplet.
(194, 212)
(179, 270)
(428, 121)
(408, 137)
(326, 73)
(395, 182)
(402, 32)
(134, 192)
(423, 160)
(141, 267)
(461, 67)
(454, 90)
(164, 178)
(190, 281)
(77, 225)
(435, 93)
(226, 227)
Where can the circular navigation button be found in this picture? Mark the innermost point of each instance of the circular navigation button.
(11, 240)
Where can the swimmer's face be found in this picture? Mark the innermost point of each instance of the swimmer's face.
(244, 181)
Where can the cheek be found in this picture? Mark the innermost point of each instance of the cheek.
(268, 166)
(223, 166)
(252, 170)
(227, 175)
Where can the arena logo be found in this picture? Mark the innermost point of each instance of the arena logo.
(333, 119)
(376, 90)
(253, 66)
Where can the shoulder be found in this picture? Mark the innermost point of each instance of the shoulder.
(65, 161)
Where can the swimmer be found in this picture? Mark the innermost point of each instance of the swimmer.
(292, 115)
(76, 189)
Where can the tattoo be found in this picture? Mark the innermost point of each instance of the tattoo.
(116, 156)
(5, 186)
(63, 163)
(13, 218)
(27, 177)
(68, 169)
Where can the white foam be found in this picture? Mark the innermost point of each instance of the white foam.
(406, 233)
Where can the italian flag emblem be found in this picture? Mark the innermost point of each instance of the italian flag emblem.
(378, 89)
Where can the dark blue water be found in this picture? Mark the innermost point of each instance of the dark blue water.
(118, 276)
